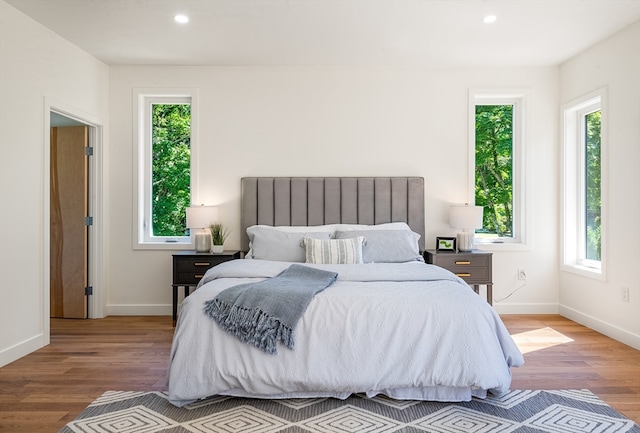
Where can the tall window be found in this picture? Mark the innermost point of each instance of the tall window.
(592, 184)
(170, 167)
(583, 184)
(494, 168)
(165, 144)
(497, 148)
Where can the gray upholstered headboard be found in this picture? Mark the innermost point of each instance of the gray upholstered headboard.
(311, 201)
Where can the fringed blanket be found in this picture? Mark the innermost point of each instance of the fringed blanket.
(263, 313)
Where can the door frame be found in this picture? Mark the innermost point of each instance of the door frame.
(97, 249)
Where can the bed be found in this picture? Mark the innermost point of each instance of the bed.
(384, 322)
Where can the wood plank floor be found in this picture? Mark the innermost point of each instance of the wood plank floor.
(43, 391)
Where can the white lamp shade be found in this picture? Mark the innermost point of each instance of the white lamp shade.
(199, 217)
(465, 216)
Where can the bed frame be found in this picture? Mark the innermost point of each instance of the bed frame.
(311, 201)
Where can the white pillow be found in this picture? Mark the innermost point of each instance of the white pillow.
(384, 226)
(269, 243)
(291, 229)
(386, 246)
(334, 251)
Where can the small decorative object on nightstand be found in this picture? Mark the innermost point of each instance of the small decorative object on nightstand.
(198, 220)
(468, 218)
(474, 267)
(219, 234)
(190, 266)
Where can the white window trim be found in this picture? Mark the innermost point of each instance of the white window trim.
(521, 197)
(573, 224)
(142, 99)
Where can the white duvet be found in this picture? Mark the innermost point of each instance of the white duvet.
(406, 330)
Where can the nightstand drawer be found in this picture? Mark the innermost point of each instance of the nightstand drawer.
(197, 264)
(460, 261)
(471, 274)
(190, 278)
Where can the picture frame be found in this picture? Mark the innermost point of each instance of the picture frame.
(445, 244)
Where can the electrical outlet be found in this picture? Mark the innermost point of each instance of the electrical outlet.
(522, 274)
(624, 294)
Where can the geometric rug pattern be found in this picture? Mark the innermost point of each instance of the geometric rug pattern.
(558, 411)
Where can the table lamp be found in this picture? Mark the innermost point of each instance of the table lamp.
(468, 218)
(200, 218)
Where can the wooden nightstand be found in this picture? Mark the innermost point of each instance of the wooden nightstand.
(474, 267)
(189, 267)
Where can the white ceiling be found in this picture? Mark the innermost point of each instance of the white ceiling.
(439, 33)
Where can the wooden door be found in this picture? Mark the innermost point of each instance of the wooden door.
(69, 234)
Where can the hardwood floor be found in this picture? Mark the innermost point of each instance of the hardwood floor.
(561, 354)
(43, 391)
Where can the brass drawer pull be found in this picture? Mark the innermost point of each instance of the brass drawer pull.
(463, 275)
(202, 264)
(198, 276)
(463, 262)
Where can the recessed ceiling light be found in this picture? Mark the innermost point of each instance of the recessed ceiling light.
(489, 19)
(181, 19)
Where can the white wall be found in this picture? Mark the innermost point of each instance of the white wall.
(614, 64)
(34, 64)
(288, 121)
(306, 121)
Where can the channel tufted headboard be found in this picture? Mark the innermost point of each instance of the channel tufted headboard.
(311, 201)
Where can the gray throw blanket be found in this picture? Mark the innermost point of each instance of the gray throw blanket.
(263, 313)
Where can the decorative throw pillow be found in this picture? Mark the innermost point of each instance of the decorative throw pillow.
(334, 251)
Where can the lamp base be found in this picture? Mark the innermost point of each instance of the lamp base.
(203, 242)
(465, 241)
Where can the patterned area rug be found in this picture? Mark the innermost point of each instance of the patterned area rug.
(565, 411)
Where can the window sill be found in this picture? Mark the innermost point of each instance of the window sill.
(592, 273)
(164, 246)
(502, 246)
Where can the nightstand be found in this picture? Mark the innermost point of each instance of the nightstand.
(474, 267)
(190, 266)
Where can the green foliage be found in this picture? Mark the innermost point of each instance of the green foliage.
(593, 185)
(218, 233)
(171, 166)
(494, 167)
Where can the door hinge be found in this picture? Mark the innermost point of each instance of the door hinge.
(88, 291)
(88, 151)
(88, 221)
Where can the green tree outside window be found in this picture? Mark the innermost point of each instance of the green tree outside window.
(593, 201)
(494, 168)
(171, 168)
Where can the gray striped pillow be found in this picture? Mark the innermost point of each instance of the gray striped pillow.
(334, 251)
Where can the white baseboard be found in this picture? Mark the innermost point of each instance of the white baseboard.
(17, 351)
(526, 308)
(139, 310)
(619, 334)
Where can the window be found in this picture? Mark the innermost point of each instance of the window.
(497, 152)
(592, 186)
(583, 225)
(165, 152)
